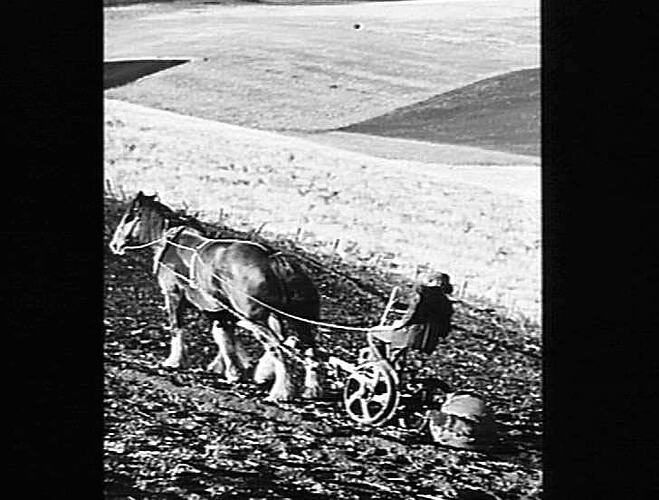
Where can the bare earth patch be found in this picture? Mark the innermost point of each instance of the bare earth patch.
(185, 434)
(303, 70)
(483, 230)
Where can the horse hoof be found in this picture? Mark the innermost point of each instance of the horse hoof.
(312, 393)
(215, 367)
(233, 378)
(260, 381)
(174, 363)
(279, 397)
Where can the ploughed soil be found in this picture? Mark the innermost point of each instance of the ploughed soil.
(499, 113)
(187, 434)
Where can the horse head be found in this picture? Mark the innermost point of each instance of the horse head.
(144, 221)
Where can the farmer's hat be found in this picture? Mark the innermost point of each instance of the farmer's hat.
(441, 280)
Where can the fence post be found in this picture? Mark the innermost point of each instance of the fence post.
(335, 246)
(108, 187)
(258, 231)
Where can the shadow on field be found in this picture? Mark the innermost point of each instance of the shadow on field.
(501, 113)
(117, 73)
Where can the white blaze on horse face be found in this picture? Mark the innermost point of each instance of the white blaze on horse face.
(121, 234)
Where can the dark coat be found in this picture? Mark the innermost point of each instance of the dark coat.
(428, 318)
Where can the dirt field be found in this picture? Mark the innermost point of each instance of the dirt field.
(191, 133)
(185, 434)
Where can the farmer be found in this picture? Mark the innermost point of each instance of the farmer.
(426, 320)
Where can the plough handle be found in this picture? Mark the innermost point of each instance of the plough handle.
(344, 365)
(390, 303)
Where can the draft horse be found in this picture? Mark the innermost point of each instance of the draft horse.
(220, 276)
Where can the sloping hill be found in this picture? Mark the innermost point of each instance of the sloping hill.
(305, 68)
(185, 434)
(480, 223)
(500, 113)
(117, 73)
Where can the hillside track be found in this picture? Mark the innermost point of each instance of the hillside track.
(185, 434)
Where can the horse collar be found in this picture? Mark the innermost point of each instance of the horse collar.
(161, 252)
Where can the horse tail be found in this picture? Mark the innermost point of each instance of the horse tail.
(299, 293)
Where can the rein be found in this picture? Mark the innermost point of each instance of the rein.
(151, 243)
(190, 281)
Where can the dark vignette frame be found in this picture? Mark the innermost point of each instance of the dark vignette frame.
(52, 287)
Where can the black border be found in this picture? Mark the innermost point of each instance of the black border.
(52, 280)
(598, 214)
(598, 205)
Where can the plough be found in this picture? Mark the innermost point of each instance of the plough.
(381, 389)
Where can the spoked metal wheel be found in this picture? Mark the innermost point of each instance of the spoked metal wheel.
(371, 393)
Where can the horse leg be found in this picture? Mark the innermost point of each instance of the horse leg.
(280, 365)
(275, 326)
(287, 372)
(277, 362)
(230, 360)
(178, 352)
(314, 376)
(217, 365)
(265, 368)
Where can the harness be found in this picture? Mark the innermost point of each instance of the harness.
(191, 282)
(158, 257)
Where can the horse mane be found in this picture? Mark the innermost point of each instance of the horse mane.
(180, 218)
(177, 218)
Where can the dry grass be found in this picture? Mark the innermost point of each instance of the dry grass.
(396, 213)
(426, 152)
(302, 68)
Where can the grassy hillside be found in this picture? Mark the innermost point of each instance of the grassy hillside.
(500, 113)
(117, 73)
(471, 223)
(119, 3)
(305, 68)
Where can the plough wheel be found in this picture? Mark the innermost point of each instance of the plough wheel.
(371, 393)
